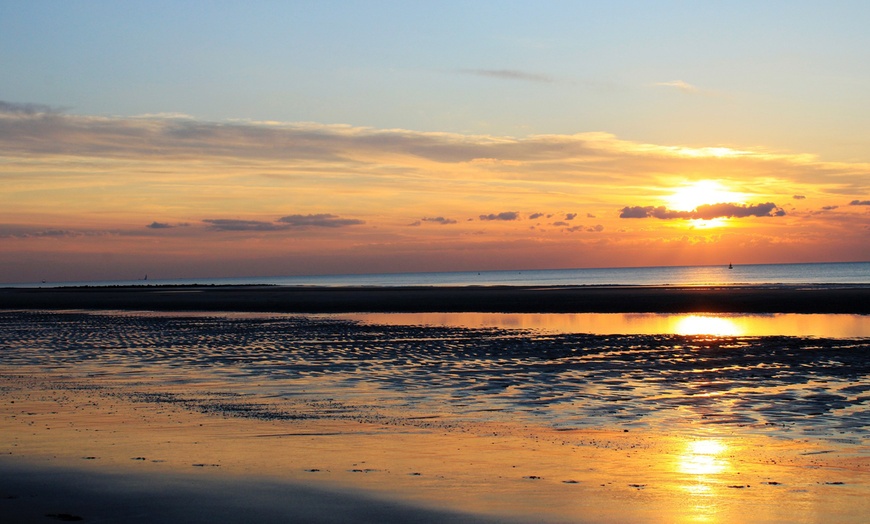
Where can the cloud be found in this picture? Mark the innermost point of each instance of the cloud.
(284, 223)
(598, 228)
(440, 220)
(799, 197)
(22, 233)
(535, 216)
(319, 220)
(704, 212)
(227, 224)
(829, 208)
(507, 215)
(32, 130)
(509, 74)
(860, 203)
(13, 108)
(166, 225)
(685, 87)
(635, 212)
(570, 216)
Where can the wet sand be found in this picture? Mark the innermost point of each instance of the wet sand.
(190, 418)
(848, 299)
(80, 450)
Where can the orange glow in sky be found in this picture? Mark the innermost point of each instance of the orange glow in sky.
(218, 142)
(689, 196)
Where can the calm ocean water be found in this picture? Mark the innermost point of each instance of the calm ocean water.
(826, 273)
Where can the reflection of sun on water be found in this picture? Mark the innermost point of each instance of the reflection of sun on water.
(704, 325)
(703, 457)
(701, 460)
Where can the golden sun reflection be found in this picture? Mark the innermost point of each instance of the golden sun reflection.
(706, 325)
(703, 457)
(701, 461)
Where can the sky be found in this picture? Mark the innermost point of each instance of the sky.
(185, 139)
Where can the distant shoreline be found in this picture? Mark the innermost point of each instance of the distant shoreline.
(758, 299)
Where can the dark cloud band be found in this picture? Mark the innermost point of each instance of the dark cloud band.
(704, 212)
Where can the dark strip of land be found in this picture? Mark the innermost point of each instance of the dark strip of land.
(852, 299)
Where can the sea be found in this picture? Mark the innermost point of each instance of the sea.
(738, 274)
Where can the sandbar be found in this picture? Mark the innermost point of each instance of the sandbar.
(842, 299)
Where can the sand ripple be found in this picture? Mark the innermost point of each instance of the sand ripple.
(294, 367)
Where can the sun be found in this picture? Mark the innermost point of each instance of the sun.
(689, 196)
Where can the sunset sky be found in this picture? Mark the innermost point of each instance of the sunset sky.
(217, 139)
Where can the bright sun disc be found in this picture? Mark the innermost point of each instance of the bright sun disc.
(703, 192)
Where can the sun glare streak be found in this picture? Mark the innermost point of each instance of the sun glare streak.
(704, 325)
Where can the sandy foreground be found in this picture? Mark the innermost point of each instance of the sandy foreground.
(96, 442)
(88, 451)
(72, 451)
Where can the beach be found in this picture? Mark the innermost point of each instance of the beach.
(224, 404)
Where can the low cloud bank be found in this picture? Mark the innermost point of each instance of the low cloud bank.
(283, 223)
(704, 212)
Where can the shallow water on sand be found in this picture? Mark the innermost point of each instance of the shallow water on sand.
(285, 367)
(721, 324)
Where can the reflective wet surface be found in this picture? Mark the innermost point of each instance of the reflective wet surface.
(806, 325)
(296, 366)
(565, 427)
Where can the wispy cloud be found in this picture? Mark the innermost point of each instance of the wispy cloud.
(440, 220)
(228, 224)
(163, 225)
(509, 74)
(681, 85)
(27, 109)
(319, 220)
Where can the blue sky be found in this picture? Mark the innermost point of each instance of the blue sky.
(791, 75)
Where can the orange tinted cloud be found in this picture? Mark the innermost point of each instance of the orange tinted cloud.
(266, 197)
